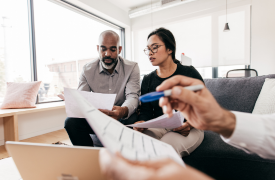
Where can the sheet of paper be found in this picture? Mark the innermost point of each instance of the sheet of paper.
(162, 122)
(99, 100)
(118, 138)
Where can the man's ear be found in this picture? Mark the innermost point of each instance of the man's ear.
(97, 48)
(119, 49)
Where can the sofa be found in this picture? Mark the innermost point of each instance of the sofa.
(220, 160)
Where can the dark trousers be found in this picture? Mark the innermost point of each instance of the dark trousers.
(79, 131)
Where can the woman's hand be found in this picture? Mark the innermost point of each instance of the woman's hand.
(184, 129)
(139, 129)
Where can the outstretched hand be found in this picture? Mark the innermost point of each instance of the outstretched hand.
(117, 112)
(200, 107)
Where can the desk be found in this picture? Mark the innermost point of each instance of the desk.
(10, 117)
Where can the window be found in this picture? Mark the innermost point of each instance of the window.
(64, 41)
(202, 39)
(15, 63)
(63, 37)
(206, 72)
(222, 70)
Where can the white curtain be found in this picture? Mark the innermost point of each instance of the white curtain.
(203, 40)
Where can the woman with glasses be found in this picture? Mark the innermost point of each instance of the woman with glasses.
(161, 49)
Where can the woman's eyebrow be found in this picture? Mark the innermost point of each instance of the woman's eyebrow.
(152, 44)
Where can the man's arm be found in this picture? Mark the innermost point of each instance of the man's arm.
(254, 134)
(132, 91)
(83, 84)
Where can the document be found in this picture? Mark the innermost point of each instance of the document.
(99, 100)
(116, 137)
(162, 122)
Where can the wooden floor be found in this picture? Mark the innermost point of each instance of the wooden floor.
(49, 138)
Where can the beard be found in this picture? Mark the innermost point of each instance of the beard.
(108, 65)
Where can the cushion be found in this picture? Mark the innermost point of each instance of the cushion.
(21, 95)
(265, 103)
(237, 94)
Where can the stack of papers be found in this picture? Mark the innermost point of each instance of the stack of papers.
(116, 137)
(99, 100)
(162, 122)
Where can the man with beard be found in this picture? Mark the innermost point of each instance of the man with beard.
(109, 74)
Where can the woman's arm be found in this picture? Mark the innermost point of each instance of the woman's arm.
(146, 109)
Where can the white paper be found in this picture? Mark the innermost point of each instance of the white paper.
(115, 136)
(99, 100)
(162, 122)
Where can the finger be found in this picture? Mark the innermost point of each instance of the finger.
(113, 113)
(155, 163)
(105, 159)
(104, 110)
(178, 80)
(114, 108)
(187, 96)
(166, 106)
(183, 126)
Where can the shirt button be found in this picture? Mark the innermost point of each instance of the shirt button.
(242, 144)
(110, 89)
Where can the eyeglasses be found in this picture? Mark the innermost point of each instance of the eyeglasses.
(153, 49)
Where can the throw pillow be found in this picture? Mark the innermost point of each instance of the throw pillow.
(21, 95)
(265, 103)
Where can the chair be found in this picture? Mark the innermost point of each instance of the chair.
(236, 73)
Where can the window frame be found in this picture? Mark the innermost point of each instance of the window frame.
(70, 6)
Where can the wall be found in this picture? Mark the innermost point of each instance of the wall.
(34, 124)
(262, 26)
(263, 36)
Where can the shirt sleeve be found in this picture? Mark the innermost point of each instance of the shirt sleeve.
(132, 91)
(254, 134)
(196, 74)
(146, 109)
(83, 84)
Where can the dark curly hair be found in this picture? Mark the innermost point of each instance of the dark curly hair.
(168, 39)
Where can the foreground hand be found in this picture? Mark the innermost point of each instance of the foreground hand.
(118, 168)
(139, 129)
(117, 112)
(184, 129)
(200, 108)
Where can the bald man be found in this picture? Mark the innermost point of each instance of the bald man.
(109, 74)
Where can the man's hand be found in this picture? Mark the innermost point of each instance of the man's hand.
(118, 168)
(117, 112)
(200, 108)
(184, 129)
(139, 129)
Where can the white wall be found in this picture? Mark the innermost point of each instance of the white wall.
(262, 26)
(263, 36)
(34, 124)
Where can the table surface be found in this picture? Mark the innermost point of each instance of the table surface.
(38, 108)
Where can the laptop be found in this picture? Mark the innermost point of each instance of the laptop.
(56, 162)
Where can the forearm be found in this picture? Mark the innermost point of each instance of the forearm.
(131, 103)
(254, 134)
(225, 125)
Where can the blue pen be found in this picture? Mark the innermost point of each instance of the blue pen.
(153, 96)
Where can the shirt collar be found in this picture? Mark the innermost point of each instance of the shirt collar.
(101, 68)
